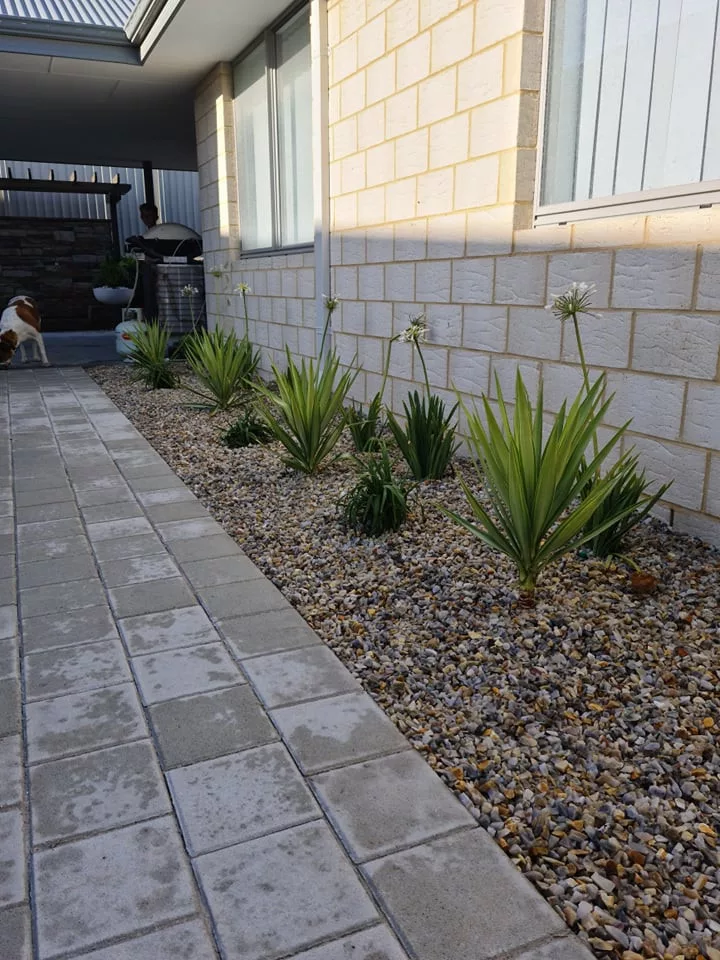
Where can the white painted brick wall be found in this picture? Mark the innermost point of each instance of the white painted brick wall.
(702, 415)
(662, 460)
(469, 372)
(521, 280)
(533, 332)
(445, 323)
(485, 328)
(654, 278)
(676, 343)
(713, 495)
(433, 281)
(472, 280)
(605, 339)
(654, 404)
(567, 268)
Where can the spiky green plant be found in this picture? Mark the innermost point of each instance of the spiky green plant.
(365, 425)
(247, 431)
(305, 414)
(223, 365)
(379, 501)
(427, 440)
(534, 484)
(149, 356)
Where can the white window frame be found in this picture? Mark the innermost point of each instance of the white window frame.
(267, 41)
(701, 195)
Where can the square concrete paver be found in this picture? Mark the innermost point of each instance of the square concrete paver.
(15, 941)
(209, 725)
(151, 597)
(53, 549)
(204, 548)
(284, 678)
(337, 730)
(47, 511)
(84, 721)
(8, 620)
(150, 498)
(377, 943)
(96, 791)
(240, 797)
(267, 632)
(241, 599)
(183, 510)
(88, 625)
(112, 529)
(177, 673)
(122, 547)
(65, 670)
(282, 892)
(185, 627)
(8, 658)
(126, 510)
(460, 897)
(61, 597)
(92, 890)
(212, 573)
(189, 529)
(53, 530)
(9, 707)
(384, 804)
(118, 573)
(60, 570)
(183, 941)
(565, 948)
(12, 858)
(11, 771)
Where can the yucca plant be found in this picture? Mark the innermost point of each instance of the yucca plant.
(427, 441)
(379, 501)
(535, 484)
(247, 431)
(149, 356)
(305, 414)
(365, 426)
(630, 499)
(631, 493)
(223, 364)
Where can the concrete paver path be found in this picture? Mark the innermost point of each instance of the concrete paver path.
(186, 771)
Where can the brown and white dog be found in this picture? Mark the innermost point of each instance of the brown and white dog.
(20, 321)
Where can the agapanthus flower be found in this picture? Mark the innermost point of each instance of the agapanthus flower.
(416, 332)
(243, 288)
(330, 302)
(189, 291)
(576, 299)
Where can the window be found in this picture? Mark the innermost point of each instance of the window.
(632, 103)
(273, 123)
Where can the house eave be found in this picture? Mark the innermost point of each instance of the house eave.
(52, 38)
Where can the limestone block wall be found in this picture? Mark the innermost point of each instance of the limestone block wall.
(434, 108)
(281, 304)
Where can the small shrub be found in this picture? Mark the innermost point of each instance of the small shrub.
(305, 414)
(223, 364)
(366, 427)
(629, 500)
(248, 431)
(149, 356)
(116, 272)
(378, 502)
(427, 441)
(534, 484)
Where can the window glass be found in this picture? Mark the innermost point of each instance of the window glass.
(633, 89)
(252, 130)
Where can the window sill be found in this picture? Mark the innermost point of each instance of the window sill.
(646, 201)
(276, 251)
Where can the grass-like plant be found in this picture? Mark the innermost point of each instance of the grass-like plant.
(427, 440)
(149, 356)
(534, 484)
(630, 500)
(305, 414)
(379, 501)
(365, 425)
(223, 364)
(249, 430)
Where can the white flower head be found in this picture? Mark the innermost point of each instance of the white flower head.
(416, 332)
(243, 288)
(189, 291)
(330, 302)
(576, 299)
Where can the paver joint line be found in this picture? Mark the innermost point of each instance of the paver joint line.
(202, 773)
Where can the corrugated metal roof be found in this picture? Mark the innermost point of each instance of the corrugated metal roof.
(100, 13)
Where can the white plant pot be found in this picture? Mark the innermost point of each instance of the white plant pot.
(113, 296)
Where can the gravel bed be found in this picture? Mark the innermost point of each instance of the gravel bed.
(582, 734)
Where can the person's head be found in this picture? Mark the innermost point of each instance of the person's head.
(149, 214)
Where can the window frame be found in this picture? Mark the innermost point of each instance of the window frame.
(268, 40)
(700, 195)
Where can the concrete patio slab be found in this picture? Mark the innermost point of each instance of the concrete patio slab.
(258, 805)
(96, 791)
(178, 673)
(247, 795)
(111, 885)
(272, 896)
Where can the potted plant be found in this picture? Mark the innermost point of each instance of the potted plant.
(115, 280)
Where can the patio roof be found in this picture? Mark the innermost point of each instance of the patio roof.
(99, 13)
(82, 91)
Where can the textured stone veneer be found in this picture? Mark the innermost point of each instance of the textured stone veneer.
(434, 112)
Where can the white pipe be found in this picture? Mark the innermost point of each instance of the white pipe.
(320, 158)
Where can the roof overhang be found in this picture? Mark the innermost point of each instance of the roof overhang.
(79, 93)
